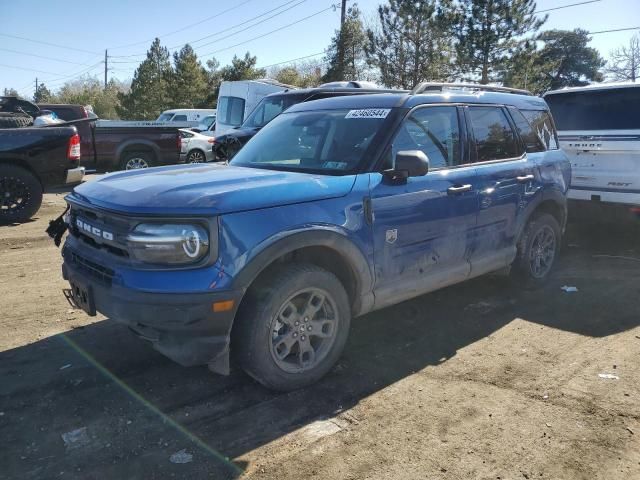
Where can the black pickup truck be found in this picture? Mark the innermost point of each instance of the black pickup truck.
(32, 161)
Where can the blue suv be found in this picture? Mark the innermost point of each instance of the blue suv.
(336, 208)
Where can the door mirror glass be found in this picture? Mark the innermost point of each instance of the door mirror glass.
(414, 162)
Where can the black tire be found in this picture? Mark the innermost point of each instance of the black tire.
(196, 156)
(15, 121)
(254, 341)
(531, 253)
(129, 159)
(20, 194)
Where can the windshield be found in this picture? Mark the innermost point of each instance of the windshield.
(268, 109)
(208, 120)
(165, 117)
(330, 142)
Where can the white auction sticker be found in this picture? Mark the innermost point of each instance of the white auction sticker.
(369, 113)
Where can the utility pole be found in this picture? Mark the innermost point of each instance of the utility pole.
(343, 13)
(105, 69)
(35, 95)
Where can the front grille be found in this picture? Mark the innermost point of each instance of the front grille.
(102, 274)
(97, 226)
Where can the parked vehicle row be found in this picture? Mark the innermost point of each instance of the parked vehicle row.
(335, 208)
(599, 129)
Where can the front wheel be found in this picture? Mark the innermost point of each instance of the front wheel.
(292, 327)
(538, 250)
(20, 194)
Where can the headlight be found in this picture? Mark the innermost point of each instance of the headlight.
(168, 244)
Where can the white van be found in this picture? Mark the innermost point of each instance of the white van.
(236, 100)
(185, 115)
(599, 129)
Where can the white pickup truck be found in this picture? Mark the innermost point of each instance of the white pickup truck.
(599, 129)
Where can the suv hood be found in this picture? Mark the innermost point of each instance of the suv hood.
(207, 189)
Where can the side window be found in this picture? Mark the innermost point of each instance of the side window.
(542, 124)
(435, 131)
(531, 140)
(495, 139)
(179, 118)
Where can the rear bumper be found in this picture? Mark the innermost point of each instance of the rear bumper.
(74, 175)
(184, 327)
(618, 196)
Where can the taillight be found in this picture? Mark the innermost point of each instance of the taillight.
(73, 152)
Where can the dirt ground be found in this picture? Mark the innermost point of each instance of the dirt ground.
(481, 380)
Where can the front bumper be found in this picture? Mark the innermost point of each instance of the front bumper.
(184, 327)
(74, 175)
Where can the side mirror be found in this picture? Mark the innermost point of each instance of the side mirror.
(412, 163)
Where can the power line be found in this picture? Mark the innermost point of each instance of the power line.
(269, 33)
(614, 30)
(566, 6)
(293, 60)
(47, 43)
(42, 56)
(27, 69)
(227, 29)
(185, 27)
(245, 22)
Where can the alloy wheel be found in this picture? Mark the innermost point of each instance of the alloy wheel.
(542, 251)
(304, 330)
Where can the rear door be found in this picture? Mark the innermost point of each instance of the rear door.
(505, 182)
(599, 130)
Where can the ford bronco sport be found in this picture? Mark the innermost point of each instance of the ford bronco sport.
(336, 208)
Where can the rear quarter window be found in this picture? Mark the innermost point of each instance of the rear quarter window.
(532, 142)
(542, 124)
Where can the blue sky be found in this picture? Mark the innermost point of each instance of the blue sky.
(126, 28)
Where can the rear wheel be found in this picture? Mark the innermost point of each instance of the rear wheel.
(196, 156)
(292, 327)
(538, 249)
(136, 161)
(20, 194)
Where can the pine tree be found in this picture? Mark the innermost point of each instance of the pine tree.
(242, 69)
(42, 94)
(150, 87)
(189, 86)
(565, 60)
(346, 53)
(488, 32)
(411, 44)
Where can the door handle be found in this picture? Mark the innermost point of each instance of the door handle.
(460, 189)
(525, 178)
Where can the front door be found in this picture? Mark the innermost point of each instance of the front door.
(421, 228)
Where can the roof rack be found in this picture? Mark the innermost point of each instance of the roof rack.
(428, 86)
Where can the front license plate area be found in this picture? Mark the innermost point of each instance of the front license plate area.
(80, 296)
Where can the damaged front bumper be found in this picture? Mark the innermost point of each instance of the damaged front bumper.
(183, 327)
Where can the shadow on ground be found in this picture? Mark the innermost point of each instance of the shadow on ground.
(131, 409)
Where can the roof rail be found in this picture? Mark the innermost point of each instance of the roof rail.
(428, 86)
